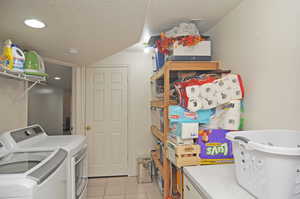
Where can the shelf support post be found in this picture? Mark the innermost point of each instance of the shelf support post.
(166, 164)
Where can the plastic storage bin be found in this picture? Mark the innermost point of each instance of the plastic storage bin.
(268, 162)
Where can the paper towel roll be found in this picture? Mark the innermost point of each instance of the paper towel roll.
(234, 107)
(208, 90)
(193, 91)
(194, 104)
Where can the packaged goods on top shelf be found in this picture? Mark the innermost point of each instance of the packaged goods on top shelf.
(28, 64)
(181, 43)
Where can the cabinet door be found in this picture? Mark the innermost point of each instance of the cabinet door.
(189, 190)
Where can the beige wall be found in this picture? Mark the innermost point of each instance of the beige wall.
(260, 40)
(139, 71)
(13, 112)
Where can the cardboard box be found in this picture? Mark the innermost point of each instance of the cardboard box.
(184, 130)
(201, 49)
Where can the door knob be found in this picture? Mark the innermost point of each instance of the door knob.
(88, 128)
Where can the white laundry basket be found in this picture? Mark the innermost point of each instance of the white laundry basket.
(268, 162)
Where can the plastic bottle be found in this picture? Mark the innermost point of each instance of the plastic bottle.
(8, 55)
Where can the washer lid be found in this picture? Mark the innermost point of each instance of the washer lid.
(21, 162)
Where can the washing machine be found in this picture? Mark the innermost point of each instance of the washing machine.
(35, 138)
(32, 174)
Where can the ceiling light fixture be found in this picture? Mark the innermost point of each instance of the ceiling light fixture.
(146, 50)
(57, 78)
(35, 23)
(74, 50)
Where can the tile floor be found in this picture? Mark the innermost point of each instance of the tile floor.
(121, 188)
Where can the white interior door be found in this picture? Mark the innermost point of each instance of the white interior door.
(106, 115)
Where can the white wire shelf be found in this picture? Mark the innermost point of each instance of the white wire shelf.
(21, 77)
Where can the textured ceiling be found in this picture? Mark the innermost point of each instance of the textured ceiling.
(99, 28)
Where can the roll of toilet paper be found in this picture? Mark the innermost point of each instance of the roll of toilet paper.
(208, 90)
(209, 103)
(223, 97)
(228, 82)
(233, 78)
(230, 122)
(194, 104)
(234, 107)
(193, 91)
(222, 84)
(230, 117)
(236, 93)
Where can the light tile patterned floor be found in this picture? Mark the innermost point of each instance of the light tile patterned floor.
(121, 188)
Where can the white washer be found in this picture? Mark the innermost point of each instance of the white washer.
(35, 138)
(33, 174)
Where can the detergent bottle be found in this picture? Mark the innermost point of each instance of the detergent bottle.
(34, 64)
(7, 55)
(19, 59)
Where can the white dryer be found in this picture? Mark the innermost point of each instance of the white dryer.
(35, 138)
(32, 174)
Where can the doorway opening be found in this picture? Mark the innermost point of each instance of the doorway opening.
(50, 105)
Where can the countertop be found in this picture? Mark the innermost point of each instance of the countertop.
(216, 181)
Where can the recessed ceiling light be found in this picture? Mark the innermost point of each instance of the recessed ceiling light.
(73, 50)
(57, 78)
(34, 23)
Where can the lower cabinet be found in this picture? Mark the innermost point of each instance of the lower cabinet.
(190, 192)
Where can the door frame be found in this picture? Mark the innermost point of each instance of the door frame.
(80, 95)
(74, 100)
(78, 101)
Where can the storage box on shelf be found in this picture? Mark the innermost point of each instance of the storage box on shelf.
(184, 155)
(199, 52)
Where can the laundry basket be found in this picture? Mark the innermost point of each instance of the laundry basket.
(267, 162)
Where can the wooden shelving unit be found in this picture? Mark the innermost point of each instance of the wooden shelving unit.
(160, 103)
(157, 133)
(164, 73)
(155, 157)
